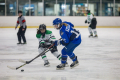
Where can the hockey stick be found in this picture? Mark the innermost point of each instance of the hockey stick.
(27, 62)
(46, 50)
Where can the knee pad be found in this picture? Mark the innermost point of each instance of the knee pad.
(90, 29)
(63, 52)
(94, 30)
(40, 50)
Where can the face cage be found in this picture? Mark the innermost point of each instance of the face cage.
(57, 26)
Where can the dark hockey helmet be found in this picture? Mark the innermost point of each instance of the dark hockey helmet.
(19, 11)
(88, 11)
(42, 26)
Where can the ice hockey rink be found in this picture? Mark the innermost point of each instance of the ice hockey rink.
(99, 58)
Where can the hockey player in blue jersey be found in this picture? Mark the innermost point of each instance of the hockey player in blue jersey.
(71, 38)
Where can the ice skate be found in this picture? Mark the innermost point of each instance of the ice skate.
(24, 43)
(95, 36)
(19, 43)
(91, 35)
(47, 64)
(60, 67)
(74, 64)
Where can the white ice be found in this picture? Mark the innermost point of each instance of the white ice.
(99, 58)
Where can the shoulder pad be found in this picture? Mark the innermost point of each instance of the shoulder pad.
(38, 35)
(48, 32)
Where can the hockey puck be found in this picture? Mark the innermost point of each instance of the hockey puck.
(22, 70)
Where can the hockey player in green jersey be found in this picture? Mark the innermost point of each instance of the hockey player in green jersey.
(93, 22)
(46, 38)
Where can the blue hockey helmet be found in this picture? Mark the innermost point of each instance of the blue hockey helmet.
(57, 21)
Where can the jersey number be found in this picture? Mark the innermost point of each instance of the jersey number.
(75, 32)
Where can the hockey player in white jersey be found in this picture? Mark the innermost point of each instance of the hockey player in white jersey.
(46, 38)
(93, 22)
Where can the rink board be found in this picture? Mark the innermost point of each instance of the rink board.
(74, 27)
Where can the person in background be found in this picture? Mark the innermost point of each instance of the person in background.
(93, 22)
(119, 11)
(21, 32)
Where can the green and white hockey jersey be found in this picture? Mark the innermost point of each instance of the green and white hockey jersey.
(89, 17)
(48, 37)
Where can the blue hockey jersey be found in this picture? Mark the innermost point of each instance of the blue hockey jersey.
(69, 23)
(68, 34)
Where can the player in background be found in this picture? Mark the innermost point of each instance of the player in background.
(46, 38)
(71, 38)
(93, 22)
(21, 32)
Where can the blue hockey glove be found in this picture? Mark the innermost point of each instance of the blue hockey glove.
(57, 42)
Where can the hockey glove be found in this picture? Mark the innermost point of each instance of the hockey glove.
(46, 40)
(85, 21)
(42, 44)
(57, 42)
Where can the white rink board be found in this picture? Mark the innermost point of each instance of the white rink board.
(99, 58)
(48, 20)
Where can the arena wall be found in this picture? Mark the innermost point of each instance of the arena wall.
(35, 21)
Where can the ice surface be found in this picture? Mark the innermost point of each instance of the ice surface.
(99, 58)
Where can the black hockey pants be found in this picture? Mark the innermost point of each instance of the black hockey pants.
(93, 23)
(21, 34)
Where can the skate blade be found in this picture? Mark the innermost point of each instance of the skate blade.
(47, 65)
(60, 68)
(19, 44)
(95, 37)
(74, 66)
(91, 37)
(66, 65)
(24, 44)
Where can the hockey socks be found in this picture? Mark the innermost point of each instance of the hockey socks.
(57, 55)
(90, 31)
(72, 56)
(95, 32)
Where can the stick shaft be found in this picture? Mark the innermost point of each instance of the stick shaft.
(48, 49)
(20, 66)
(40, 54)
